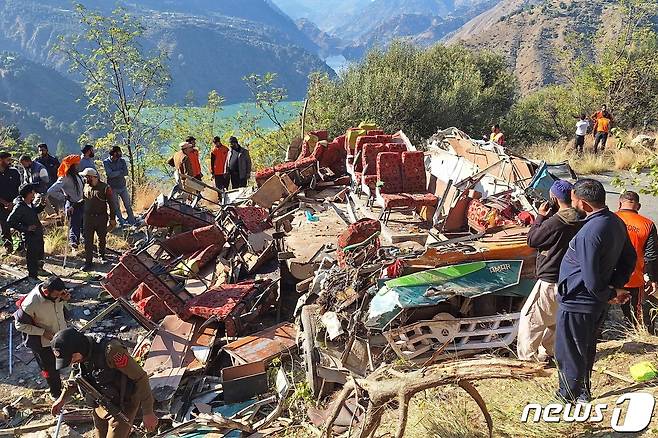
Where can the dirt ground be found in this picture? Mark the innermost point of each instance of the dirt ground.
(88, 299)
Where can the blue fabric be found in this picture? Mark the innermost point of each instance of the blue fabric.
(86, 163)
(116, 172)
(600, 257)
(125, 198)
(75, 212)
(576, 336)
(561, 189)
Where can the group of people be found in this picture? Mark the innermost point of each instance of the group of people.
(91, 206)
(600, 123)
(588, 258)
(103, 362)
(229, 166)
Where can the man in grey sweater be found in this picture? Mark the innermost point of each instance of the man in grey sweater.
(116, 171)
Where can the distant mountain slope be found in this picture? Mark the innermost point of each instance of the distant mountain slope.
(533, 34)
(39, 100)
(214, 43)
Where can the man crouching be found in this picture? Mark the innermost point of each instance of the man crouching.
(109, 369)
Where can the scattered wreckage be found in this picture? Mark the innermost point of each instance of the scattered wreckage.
(231, 285)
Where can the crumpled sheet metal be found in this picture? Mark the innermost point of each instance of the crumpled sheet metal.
(434, 286)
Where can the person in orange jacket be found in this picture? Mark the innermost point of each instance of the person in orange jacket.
(218, 157)
(643, 235)
(194, 158)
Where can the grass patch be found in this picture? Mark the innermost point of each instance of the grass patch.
(586, 164)
(56, 240)
(145, 195)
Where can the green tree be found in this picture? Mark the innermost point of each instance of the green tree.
(60, 149)
(120, 81)
(417, 90)
(180, 122)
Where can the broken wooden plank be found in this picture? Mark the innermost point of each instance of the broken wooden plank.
(263, 346)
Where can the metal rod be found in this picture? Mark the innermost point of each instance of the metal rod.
(100, 316)
(59, 424)
(11, 347)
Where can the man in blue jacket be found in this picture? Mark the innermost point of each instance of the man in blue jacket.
(599, 262)
(116, 171)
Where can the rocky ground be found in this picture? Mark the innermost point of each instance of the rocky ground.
(88, 299)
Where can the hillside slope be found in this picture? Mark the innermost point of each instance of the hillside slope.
(534, 35)
(39, 100)
(213, 43)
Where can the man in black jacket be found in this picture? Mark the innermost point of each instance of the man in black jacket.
(550, 236)
(25, 218)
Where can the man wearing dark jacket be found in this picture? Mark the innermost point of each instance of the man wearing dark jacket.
(10, 181)
(25, 218)
(550, 236)
(598, 263)
(238, 164)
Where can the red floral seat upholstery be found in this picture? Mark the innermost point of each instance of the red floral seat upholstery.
(153, 308)
(389, 172)
(413, 172)
(195, 240)
(397, 200)
(423, 199)
(285, 167)
(263, 175)
(174, 213)
(396, 147)
(322, 135)
(255, 219)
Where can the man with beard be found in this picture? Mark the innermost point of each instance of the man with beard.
(87, 158)
(598, 263)
(49, 162)
(97, 221)
(238, 164)
(39, 316)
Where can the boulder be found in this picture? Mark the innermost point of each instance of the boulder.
(643, 141)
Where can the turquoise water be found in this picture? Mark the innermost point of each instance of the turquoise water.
(286, 111)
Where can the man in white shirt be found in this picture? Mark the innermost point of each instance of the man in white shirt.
(40, 315)
(582, 126)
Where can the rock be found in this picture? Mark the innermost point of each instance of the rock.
(644, 141)
(86, 312)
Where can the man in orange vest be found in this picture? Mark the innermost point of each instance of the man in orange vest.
(602, 124)
(218, 164)
(642, 232)
(193, 154)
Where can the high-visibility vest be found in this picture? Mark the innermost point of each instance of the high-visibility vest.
(194, 161)
(639, 229)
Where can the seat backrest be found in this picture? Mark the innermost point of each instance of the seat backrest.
(363, 139)
(389, 172)
(413, 172)
(369, 157)
(383, 138)
(396, 147)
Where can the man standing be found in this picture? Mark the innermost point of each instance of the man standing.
(550, 236)
(642, 233)
(116, 171)
(10, 181)
(195, 162)
(34, 173)
(602, 126)
(181, 162)
(40, 315)
(49, 162)
(599, 261)
(25, 218)
(98, 199)
(69, 187)
(582, 126)
(238, 164)
(218, 164)
(107, 366)
(87, 158)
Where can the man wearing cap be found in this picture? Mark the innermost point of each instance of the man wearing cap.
(24, 218)
(181, 162)
(10, 181)
(39, 316)
(109, 368)
(238, 164)
(642, 232)
(98, 200)
(556, 224)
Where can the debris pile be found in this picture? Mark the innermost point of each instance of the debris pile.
(234, 289)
